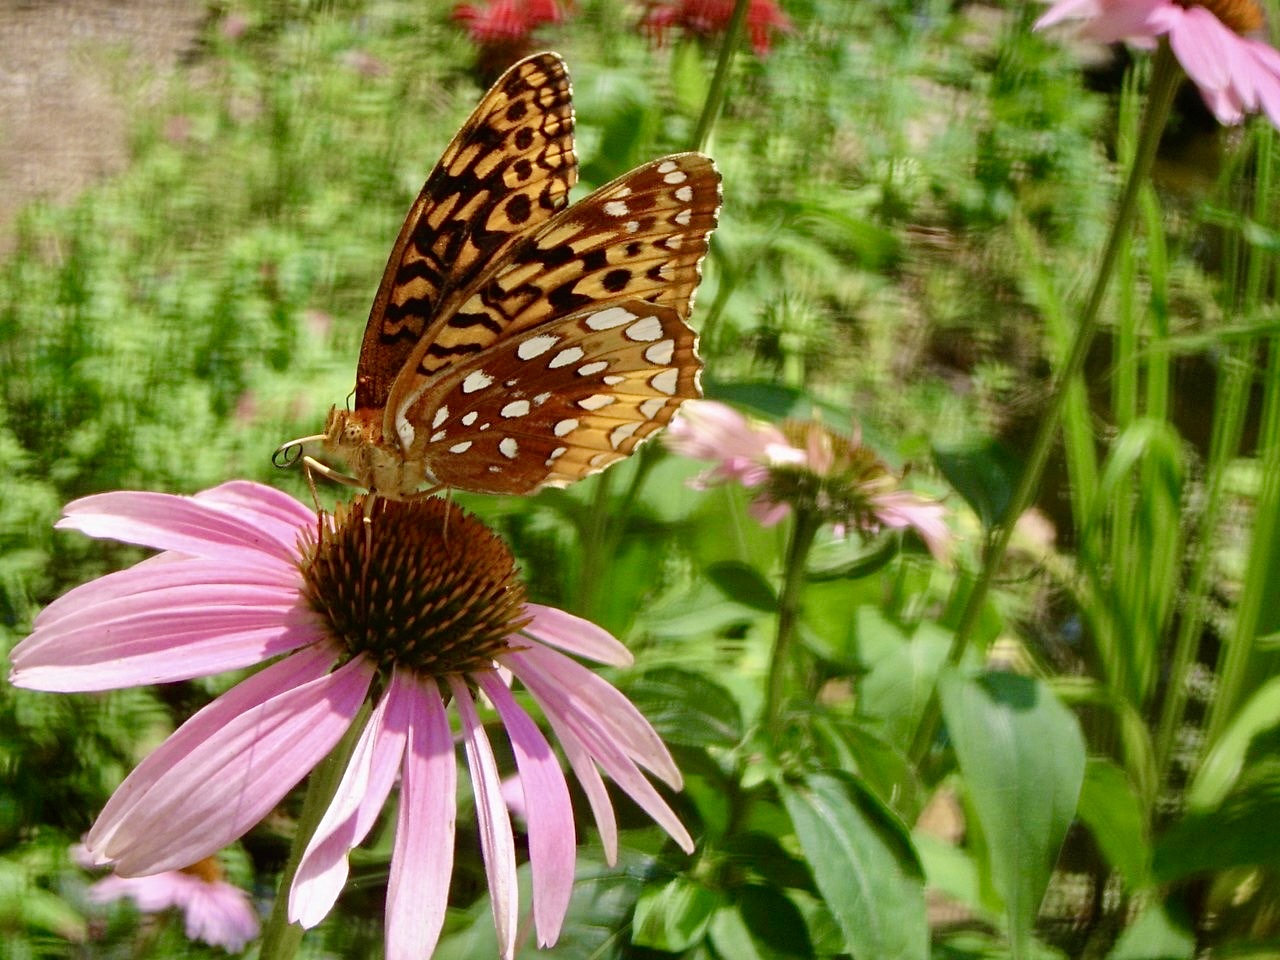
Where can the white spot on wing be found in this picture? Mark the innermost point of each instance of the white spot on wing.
(677, 176)
(649, 328)
(614, 379)
(684, 194)
(541, 398)
(683, 217)
(596, 401)
(536, 346)
(602, 460)
(508, 447)
(651, 407)
(469, 418)
(566, 356)
(616, 208)
(405, 430)
(660, 352)
(631, 226)
(516, 408)
(565, 427)
(608, 319)
(441, 416)
(437, 436)
(621, 432)
(666, 381)
(477, 380)
(591, 369)
(556, 454)
(666, 166)
(462, 447)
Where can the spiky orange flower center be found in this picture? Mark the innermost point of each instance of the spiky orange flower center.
(419, 584)
(209, 870)
(1242, 16)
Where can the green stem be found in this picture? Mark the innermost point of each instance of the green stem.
(1165, 76)
(803, 529)
(280, 938)
(720, 81)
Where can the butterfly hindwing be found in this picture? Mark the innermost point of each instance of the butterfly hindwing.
(559, 402)
(640, 237)
(507, 170)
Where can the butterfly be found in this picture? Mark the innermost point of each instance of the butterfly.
(517, 341)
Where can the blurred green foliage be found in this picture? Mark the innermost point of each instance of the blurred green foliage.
(913, 193)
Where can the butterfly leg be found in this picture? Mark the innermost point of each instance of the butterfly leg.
(326, 471)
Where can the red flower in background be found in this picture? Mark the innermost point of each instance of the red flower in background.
(504, 22)
(705, 18)
(502, 30)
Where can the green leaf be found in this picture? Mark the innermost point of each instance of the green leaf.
(983, 473)
(687, 708)
(1226, 759)
(675, 916)
(762, 924)
(1155, 935)
(1111, 810)
(1240, 832)
(1023, 759)
(743, 583)
(864, 866)
(900, 684)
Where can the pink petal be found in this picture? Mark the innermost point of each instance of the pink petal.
(368, 779)
(575, 635)
(166, 570)
(1067, 10)
(547, 808)
(1204, 47)
(163, 521)
(584, 769)
(572, 725)
(422, 862)
(585, 692)
(496, 841)
(267, 503)
(230, 779)
(300, 668)
(165, 634)
(220, 914)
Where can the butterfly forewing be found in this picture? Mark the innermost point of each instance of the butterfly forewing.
(515, 341)
(506, 171)
(560, 402)
(641, 237)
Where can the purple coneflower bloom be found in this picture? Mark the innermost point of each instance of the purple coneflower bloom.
(213, 910)
(415, 605)
(1213, 40)
(805, 466)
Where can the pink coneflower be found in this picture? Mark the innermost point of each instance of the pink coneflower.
(1235, 73)
(805, 466)
(708, 18)
(214, 911)
(415, 605)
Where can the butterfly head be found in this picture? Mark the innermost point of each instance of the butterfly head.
(380, 466)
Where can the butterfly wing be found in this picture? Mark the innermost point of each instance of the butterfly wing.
(558, 402)
(640, 238)
(507, 170)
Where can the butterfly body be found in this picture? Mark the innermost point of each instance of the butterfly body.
(517, 341)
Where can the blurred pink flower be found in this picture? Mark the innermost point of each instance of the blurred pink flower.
(1234, 73)
(367, 599)
(805, 465)
(213, 910)
(706, 18)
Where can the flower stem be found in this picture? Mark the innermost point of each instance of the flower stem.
(1165, 76)
(720, 80)
(281, 939)
(803, 529)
